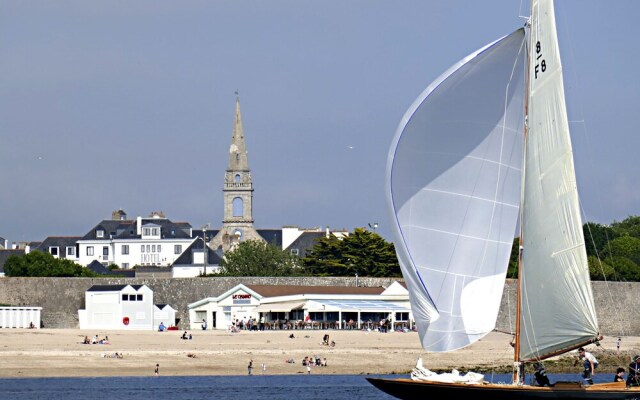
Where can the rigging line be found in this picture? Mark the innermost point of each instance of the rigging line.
(604, 275)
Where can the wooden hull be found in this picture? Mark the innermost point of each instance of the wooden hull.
(409, 389)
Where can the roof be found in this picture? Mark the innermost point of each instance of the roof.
(305, 242)
(186, 258)
(61, 242)
(359, 305)
(127, 229)
(284, 306)
(111, 288)
(287, 290)
(271, 236)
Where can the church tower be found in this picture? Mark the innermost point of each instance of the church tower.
(237, 224)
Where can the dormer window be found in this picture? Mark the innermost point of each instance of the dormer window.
(99, 233)
(151, 231)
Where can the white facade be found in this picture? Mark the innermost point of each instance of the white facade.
(146, 243)
(334, 310)
(118, 307)
(165, 314)
(20, 317)
(238, 303)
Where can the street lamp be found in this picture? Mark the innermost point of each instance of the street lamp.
(204, 248)
(374, 226)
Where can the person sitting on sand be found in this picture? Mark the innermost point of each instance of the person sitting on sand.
(325, 340)
(184, 335)
(86, 340)
(161, 327)
(332, 344)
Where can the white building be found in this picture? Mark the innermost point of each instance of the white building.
(154, 241)
(116, 307)
(312, 307)
(20, 317)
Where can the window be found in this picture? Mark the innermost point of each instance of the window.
(177, 249)
(153, 248)
(236, 178)
(125, 265)
(148, 248)
(53, 251)
(155, 231)
(125, 249)
(146, 231)
(71, 251)
(295, 252)
(89, 250)
(238, 207)
(138, 297)
(158, 248)
(125, 297)
(402, 316)
(141, 248)
(105, 251)
(99, 233)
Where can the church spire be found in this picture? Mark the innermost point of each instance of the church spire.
(238, 160)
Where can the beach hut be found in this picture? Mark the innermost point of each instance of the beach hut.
(118, 307)
(164, 313)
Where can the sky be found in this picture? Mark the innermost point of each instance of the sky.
(130, 104)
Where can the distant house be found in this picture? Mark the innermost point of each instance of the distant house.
(118, 307)
(63, 247)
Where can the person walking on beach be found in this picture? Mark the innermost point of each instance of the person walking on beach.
(250, 366)
(157, 369)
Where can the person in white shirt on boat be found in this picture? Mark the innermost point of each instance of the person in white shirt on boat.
(590, 365)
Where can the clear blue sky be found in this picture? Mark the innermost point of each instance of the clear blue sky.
(129, 104)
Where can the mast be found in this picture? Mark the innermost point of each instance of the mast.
(518, 373)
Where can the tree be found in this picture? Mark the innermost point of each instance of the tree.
(38, 263)
(624, 246)
(597, 236)
(512, 271)
(629, 226)
(257, 258)
(363, 252)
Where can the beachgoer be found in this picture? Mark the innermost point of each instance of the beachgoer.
(332, 344)
(161, 327)
(184, 335)
(190, 337)
(324, 362)
(308, 368)
(292, 336)
(157, 371)
(250, 366)
(590, 364)
(633, 379)
(325, 340)
(619, 377)
(204, 324)
(618, 344)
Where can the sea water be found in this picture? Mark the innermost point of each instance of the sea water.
(271, 387)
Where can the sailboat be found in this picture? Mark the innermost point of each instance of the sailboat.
(485, 143)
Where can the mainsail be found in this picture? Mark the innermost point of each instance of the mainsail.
(557, 308)
(453, 187)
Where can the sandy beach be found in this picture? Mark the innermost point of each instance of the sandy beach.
(60, 352)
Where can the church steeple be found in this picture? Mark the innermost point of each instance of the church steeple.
(238, 160)
(237, 224)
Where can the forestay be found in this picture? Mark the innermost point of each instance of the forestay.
(453, 188)
(557, 310)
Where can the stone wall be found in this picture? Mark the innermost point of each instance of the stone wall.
(61, 298)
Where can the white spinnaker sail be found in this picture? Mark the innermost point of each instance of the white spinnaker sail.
(557, 308)
(453, 190)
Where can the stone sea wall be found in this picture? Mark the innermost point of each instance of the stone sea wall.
(61, 298)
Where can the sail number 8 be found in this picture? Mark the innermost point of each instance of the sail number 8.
(541, 66)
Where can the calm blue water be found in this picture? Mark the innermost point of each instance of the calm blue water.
(272, 387)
